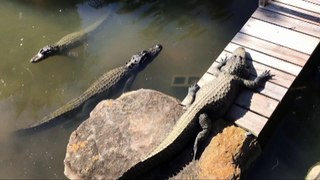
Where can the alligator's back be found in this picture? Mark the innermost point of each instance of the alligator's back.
(74, 38)
(103, 86)
(216, 96)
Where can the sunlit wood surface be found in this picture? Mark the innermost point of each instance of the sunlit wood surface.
(280, 37)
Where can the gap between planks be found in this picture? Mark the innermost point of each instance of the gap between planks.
(287, 22)
(246, 119)
(293, 12)
(317, 2)
(271, 49)
(302, 5)
(279, 35)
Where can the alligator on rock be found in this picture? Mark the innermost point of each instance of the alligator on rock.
(66, 43)
(215, 97)
(118, 78)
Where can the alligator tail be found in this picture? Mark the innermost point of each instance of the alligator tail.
(96, 24)
(53, 118)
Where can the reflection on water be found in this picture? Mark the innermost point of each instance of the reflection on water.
(193, 34)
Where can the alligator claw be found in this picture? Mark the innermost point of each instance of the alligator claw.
(266, 75)
(224, 60)
(193, 88)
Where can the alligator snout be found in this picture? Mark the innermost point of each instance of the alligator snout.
(37, 57)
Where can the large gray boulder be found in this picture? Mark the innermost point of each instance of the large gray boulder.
(119, 133)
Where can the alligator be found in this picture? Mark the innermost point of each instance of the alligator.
(67, 42)
(113, 80)
(214, 97)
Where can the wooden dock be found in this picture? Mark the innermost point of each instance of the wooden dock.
(280, 36)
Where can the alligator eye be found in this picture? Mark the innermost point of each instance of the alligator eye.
(144, 58)
(41, 51)
(158, 46)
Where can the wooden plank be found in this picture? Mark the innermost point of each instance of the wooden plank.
(273, 90)
(256, 102)
(207, 77)
(271, 49)
(246, 119)
(268, 60)
(272, 43)
(263, 2)
(317, 2)
(287, 22)
(302, 5)
(293, 12)
(269, 89)
(279, 35)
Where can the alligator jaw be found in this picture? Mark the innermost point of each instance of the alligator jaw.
(155, 50)
(45, 52)
(240, 51)
(38, 57)
(152, 53)
(140, 60)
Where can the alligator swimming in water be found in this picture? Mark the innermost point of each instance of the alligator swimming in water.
(215, 98)
(66, 43)
(118, 78)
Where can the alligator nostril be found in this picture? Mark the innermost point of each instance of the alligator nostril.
(158, 46)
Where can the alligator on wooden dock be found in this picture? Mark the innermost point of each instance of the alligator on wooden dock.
(215, 98)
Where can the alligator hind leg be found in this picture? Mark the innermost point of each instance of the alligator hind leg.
(206, 124)
(192, 90)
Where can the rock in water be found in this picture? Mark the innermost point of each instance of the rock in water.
(119, 133)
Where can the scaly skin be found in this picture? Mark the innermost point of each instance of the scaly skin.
(66, 43)
(215, 97)
(120, 76)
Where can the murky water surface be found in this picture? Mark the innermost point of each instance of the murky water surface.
(193, 33)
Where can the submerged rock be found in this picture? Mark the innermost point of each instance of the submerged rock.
(120, 132)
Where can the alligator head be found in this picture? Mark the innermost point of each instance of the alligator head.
(143, 58)
(237, 64)
(44, 52)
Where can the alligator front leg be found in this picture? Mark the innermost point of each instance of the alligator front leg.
(128, 83)
(192, 90)
(206, 124)
(216, 69)
(253, 84)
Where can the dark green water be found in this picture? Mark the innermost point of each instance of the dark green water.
(193, 34)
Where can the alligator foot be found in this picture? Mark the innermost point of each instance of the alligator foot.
(216, 69)
(192, 90)
(224, 60)
(206, 124)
